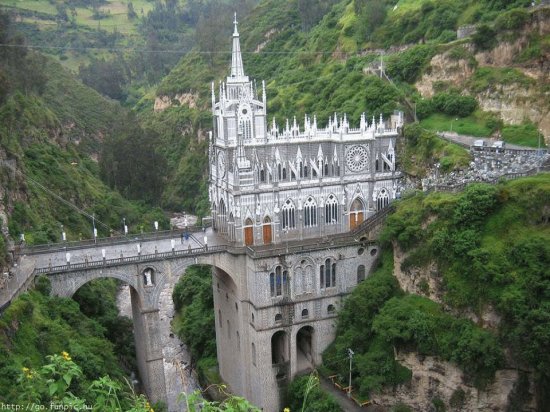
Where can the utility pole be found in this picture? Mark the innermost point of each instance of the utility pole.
(350, 354)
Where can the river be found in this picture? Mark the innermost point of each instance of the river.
(179, 378)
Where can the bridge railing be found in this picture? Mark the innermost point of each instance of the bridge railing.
(107, 241)
(74, 267)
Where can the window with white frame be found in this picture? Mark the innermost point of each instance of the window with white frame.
(331, 210)
(310, 212)
(289, 215)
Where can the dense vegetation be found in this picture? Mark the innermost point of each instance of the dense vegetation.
(305, 394)
(36, 325)
(491, 247)
(194, 322)
(50, 128)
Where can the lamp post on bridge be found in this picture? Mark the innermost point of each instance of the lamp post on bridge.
(95, 230)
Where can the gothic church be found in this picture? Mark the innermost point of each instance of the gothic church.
(270, 185)
(276, 306)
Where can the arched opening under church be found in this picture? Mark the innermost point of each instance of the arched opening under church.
(279, 348)
(248, 232)
(267, 231)
(304, 349)
(356, 213)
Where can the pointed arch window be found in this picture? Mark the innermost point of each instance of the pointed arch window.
(310, 212)
(262, 175)
(331, 210)
(289, 215)
(245, 128)
(327, 274)
(278, 282)
(222, 217)
(383, 199)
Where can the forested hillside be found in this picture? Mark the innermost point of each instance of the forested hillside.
(52, 131)
(467, 284)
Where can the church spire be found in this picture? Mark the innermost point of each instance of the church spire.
(237, 70)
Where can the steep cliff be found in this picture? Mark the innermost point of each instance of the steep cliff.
(511, 79)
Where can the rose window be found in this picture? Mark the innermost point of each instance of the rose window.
(357, 158)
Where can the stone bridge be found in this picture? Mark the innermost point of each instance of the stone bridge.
(274, 317)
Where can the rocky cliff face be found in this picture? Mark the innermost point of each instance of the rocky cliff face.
(435, 380)
(514, 103)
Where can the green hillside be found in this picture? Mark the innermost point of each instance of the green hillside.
(51, 129)
(490, 247)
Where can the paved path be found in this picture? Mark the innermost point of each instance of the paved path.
(346, 403)
(466, 140)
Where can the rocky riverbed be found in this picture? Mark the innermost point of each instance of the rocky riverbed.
(179, 377)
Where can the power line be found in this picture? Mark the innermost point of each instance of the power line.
(175, 51)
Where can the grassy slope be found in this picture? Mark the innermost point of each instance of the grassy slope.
(41, 15)
(52, 136)
(35, 326)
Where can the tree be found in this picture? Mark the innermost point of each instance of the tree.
(131, 12)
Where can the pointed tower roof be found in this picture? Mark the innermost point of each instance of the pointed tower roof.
(237, 70)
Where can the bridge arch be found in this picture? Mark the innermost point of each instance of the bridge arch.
(145, 317)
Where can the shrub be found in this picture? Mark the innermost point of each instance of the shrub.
(485, 38)
(512, 20)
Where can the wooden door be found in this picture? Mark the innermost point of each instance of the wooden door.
(359, 219)
(352, 221)
(248, 236)
(267, 233)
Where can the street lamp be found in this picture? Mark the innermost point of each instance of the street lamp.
(350, 354)
(95, 230)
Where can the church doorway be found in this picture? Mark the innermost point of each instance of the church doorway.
(356, 213)
(304, 349)
(248, 232)
(267, 231)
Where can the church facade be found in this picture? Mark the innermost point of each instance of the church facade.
(269, 185)
(275, 307)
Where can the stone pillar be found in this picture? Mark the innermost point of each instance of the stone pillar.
(149, 355)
